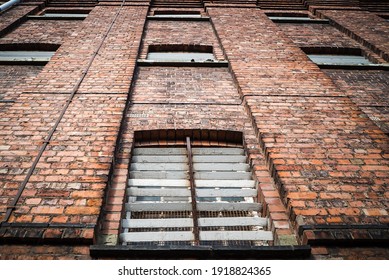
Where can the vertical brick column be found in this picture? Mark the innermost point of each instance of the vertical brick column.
(68, 183)
(330, 162)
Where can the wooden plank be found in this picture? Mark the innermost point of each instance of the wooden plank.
(233, 206)
(221, 167)
(153, 158)
(159, 175)
(223, 175)
(156, 236)
(235, 221)
(225, 183)
(226, 192)
(157, 223)
(220, 159)
(236, 235)
(218, 151)
(158, 183)
(157, 192)
(158, 206)
(159, 166)
(159, 151)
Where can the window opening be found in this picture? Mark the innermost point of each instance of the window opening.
(337, 59)
(192, 195)
(181, 53)
(26, 57)
(176, 14)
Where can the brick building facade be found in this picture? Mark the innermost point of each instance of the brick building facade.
(101, 100)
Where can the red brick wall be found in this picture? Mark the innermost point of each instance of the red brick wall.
(365, 27)
(319, 161)
(43, 252)
(367, 89)
(13, 16)
(330, 161)
(41, 31)
(183, 32)
(317, 35)
(185, 84)
(168, 88)
(13, 77)
(68, 183)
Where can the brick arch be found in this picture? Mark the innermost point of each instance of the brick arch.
(171, 137)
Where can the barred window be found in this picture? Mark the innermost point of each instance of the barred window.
(192, 195)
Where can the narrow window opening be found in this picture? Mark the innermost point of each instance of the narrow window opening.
(181, 53)
(35, 54)
(177, 14)
(339, 57)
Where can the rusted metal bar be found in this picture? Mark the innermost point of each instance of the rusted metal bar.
(196, 231)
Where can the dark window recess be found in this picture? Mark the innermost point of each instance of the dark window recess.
(61, 14)
(340, 57)
(337, 59)
(177, 14)
(180, 53)
(25, 56)
(192, 195)
(36, 54)
(294, 18)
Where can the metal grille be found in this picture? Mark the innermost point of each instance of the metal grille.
(192, 196)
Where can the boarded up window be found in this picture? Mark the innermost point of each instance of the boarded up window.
(192, 196)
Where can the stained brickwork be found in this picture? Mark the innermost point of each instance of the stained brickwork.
(367, 89)
(111, 70)
(68, 183)
(174, 32)
(331, 161)
(45, 252)
(317, 35)
(14, 16)
(185, 84)
(41, 31)
(367, 28)
(14, 76)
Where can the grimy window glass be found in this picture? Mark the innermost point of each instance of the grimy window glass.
(192, 196)
(180, 56)
(329, 59)
(25, 56)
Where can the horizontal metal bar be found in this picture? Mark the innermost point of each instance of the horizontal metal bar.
(225, 183)
(157, 223)
(235, 221)
(226, 192)
(158, 183)
(236, 235)
(218, 151)
(221, 167)
(219, 158)
(156, 236)
(161, 166)
(159, 175)
(158, 206)
(223, 175)
(159, 151)
(159, 158)
(227, 206)
(157, 192)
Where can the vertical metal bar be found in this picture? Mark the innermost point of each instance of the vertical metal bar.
(196, 231)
